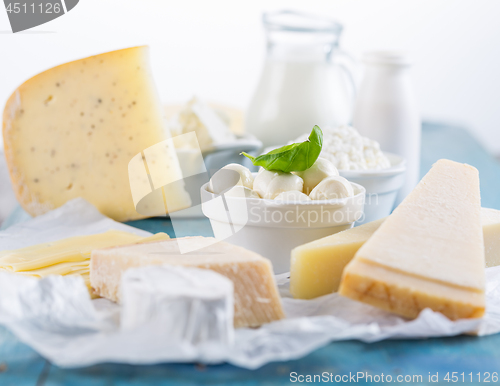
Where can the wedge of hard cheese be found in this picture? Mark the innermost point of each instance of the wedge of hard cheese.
(491, 232)
(256, 298)
(429, 253)
(317, 267)
(72, 130)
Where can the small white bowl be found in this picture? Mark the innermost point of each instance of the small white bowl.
(273, 228)
(382, 187)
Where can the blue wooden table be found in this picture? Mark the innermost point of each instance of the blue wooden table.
(20, 365)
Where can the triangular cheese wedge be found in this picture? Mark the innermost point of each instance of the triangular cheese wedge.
(72, 131)
(429, 253)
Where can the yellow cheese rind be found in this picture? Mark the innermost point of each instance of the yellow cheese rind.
(316, 267)
(383, 288)
(429, 250)
(256, 296)
(72, 130)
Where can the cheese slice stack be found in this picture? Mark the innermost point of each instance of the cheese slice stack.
(256, 298)
(70, 256)
(317, 267)
(72, 130)
(429, 253)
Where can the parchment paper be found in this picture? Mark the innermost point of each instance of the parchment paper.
(58, 319)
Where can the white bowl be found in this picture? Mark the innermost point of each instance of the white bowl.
(382, 187)
(273, 228)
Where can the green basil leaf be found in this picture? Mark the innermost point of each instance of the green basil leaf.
(296, 157)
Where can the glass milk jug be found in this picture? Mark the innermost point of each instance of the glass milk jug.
(305, 80)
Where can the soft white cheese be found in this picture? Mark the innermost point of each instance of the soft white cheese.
(320, 170)
(269, 184)
(348, 150)
(229, 176)
(198, 117)
(333, 187)
(246, 177)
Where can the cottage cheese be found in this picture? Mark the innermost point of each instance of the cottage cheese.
(348, 150)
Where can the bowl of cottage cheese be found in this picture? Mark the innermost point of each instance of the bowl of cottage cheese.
(360, 160)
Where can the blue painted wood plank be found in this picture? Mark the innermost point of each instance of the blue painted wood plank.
(457, 144)
(398, 357)
(19, 363)
(182, 227)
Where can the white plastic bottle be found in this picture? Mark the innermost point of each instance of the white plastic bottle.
(386, 110)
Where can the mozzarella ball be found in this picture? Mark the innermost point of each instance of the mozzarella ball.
(241, 191)
(262, 181)
(331, 188)
(229, 176)
(320, 170)
(292, 196)
(245, 174)
(283, 182)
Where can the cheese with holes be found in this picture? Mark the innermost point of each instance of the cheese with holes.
(316, 267)
(429, 253)
(72, 130)
(256, 298)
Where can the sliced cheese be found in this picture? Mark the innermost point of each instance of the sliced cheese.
(72, 130)
(256, 296)
(428, 253)
(67, 268)
(67, 256)
(72, 249)
(316, 267)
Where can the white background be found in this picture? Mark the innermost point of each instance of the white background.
(215, 48)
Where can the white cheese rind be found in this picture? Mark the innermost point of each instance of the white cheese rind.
(72, 130)
(188, 305)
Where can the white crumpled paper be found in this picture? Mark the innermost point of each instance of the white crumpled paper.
(58, 319)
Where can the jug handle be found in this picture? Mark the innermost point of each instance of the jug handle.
(350, 66)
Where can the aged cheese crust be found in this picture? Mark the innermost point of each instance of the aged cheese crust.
(72, 130)
(384, 289)
(256, 297)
